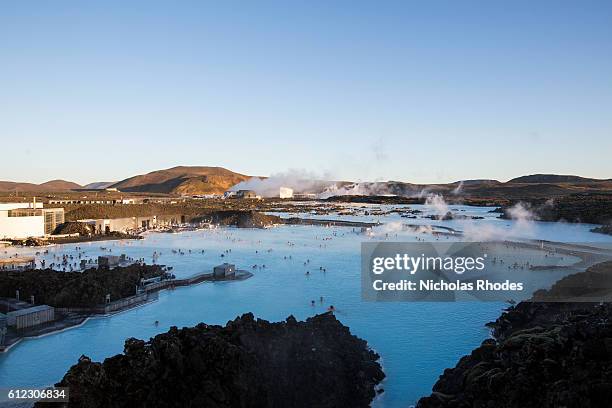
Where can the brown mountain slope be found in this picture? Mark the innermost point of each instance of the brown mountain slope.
(53, 185)
(183, 180)
(57, 185)
(13, 186)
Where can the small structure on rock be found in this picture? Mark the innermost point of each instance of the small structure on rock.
(17, 263)
(246, 194)
(31, 316)
(225, 270)
(111, 261)
(285, 192)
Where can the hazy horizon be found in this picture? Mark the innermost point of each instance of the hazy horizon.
(416, 92)
(293, 174)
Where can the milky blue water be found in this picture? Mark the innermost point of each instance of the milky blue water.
(416, 341)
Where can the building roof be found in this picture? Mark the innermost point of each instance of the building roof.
(29, 310)
(225, 265)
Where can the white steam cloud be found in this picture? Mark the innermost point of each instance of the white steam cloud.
(522, 222)
(365, 188)
(520, 213)
(457, 190)
(299, 180)
(437, 204)
(522, 226)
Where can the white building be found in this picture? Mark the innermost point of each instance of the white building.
(24, 220)
(20, 227)
(14, 206)
(285, 192)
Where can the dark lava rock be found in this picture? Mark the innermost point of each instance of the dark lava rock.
(604, 229)
(76, 289)
(436, 217)
(376, 199)
(543, 355)
(452, 216)
(30, 241)
(594, 208)
(242, 218)
(247, 363)
(74, 227)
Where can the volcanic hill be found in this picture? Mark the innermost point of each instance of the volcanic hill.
(183, 180)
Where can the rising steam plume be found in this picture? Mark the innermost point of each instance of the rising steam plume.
(298, 180)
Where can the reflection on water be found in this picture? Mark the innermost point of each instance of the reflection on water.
(416, 341)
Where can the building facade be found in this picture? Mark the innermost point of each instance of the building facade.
(31, 316)
(132, 224)
(17, 263)
(13, 226)
(24, 220)
(246, 194)
(53, 217)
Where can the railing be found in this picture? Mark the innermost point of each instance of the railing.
(114, 306)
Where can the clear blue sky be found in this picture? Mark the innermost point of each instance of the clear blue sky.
(427, 91)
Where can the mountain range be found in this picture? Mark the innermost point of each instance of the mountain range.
(53, 185)
(176, 180)
(191, 180)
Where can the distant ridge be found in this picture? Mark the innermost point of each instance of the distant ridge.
(554, 178)
(59, 185)
(199, 180)
(49, 186)
(183, 180)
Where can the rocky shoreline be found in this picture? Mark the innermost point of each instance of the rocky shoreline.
(71, 239)
(591, 208)
(240, 218)
(247, 363)
(71, 290)
(543, 354)
(78, 296)
(604, 229)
